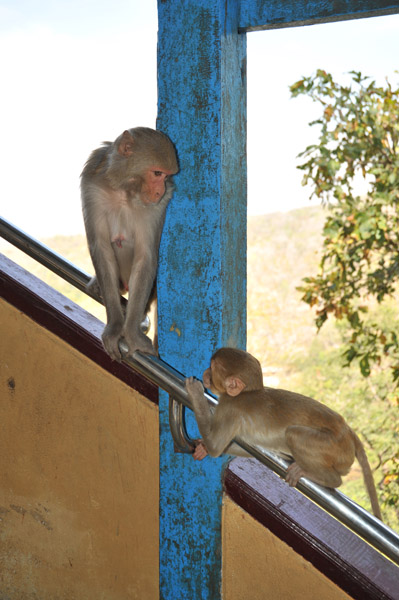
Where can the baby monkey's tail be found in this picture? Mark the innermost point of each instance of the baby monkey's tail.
(367, 476)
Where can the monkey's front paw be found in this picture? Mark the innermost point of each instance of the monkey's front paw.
(194, 388)
(111, 345)
(294, 473)
(200, 451)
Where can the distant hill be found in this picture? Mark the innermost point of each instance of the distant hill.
(282, 249)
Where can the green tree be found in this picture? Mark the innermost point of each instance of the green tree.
(358, 276)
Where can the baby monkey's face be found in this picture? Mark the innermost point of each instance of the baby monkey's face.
(213, 380)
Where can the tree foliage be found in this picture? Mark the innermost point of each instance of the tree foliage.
(359, 269)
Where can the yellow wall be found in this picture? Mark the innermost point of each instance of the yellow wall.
(78, 474)
(259, 566)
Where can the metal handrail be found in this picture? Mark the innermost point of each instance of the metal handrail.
(161, 374)
(44, 255)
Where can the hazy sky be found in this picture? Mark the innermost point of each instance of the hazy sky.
(75, 73)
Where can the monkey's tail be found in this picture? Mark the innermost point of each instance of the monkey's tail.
(367, 476)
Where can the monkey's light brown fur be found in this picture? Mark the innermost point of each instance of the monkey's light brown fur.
(126, 186)
(319, 440)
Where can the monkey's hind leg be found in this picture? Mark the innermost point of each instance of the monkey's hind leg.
(315, 453)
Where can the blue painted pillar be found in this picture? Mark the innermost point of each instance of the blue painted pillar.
(202, 272)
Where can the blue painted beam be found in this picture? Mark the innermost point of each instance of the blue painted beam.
(257, 15)
(202, 268)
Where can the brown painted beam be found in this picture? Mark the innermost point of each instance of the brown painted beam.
(338, 553)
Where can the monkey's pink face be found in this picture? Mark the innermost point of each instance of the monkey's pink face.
(153, 187)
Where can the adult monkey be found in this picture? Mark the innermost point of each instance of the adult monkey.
(319, 440)
(126, 186)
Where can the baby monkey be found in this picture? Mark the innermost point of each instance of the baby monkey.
(322, 445)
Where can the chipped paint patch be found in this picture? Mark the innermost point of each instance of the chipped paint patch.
(175, 329)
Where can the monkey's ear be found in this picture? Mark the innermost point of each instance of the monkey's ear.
(126, 144)
(234, 385)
